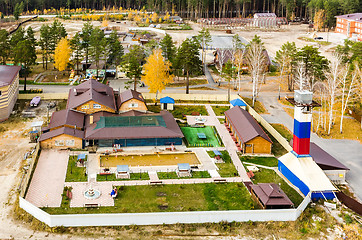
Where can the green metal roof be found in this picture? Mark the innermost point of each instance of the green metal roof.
(130, 121)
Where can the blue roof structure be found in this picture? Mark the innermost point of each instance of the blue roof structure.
(81, 156)
(167, 100)
(122, 168)
(183, 166)
(238, 102)
(217, 152)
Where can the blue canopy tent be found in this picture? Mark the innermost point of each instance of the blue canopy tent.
(217, 152)
(81, 156)
(167, 103)
(238, 102)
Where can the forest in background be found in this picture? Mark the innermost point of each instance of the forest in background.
(292, 9)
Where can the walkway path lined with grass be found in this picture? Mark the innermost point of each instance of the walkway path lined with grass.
(228, 142)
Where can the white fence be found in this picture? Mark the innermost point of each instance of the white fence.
(147, 29)
(158, 218)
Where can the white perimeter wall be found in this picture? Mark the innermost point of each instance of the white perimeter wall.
(158, 218)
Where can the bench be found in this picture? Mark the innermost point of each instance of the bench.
(250, 174)
(156, 182)
(105, 173)
(91, 205)
(220, 180)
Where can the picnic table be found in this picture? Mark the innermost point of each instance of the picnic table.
(201, 135)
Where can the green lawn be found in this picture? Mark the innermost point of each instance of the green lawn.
(133, 176)
(180, 110)
(277, 149)
(172, 198)
(219, 110)
(222, 120)
(192, 139)
(265, 161)
(259, 107)
(74, 173)
(283, 131)
(173, 175)
(269, 176)
(226, 169)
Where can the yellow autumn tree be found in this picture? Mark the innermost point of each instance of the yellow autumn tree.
(156, 72)
(105, 23)
(154, 17)
(319, 19)
(62, 54)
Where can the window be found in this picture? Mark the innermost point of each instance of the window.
(96, 106)
(133, 105)
(0, 93)
(85, 106)
(70, 142)
(59, 143)
(248, 145)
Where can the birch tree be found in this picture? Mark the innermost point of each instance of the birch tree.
(256, 60)
(221, 59)
(204, 38)
(238, 56)
(349, 87)
(334, 78)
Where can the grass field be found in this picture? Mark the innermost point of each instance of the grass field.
(173, 175)
(193, 140)
(166, 159)
(74, 173)
(265, 161)
(133, 176)
(170, 198)
(269, 176)
(259, 107)
(283, 131)
(226, 169)
(219, 110)
(180, 110)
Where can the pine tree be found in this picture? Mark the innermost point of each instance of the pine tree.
(44, 43)
(76, 48)
(62, 55)
(97, 47)
(4, 46)
(168, 48)
(157, 72)
(115, 47)
(85, 36)
(24, 53)
(132, 64)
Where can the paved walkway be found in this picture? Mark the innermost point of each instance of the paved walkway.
(228, 142)
(47, 184)
(78, 199)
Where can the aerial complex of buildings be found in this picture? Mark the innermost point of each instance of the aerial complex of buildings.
(9, 86)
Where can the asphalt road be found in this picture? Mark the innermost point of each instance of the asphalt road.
(349, 152)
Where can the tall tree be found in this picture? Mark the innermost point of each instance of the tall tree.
(4, 46)
(285, 58)
(115, 48)
(156, 72)
(188, 59)
(205, 38)
(76, 48)
(132, 64)
(256, 61)
(24, 54)
(62, 55)
(45, 43)
(97, 47)
(238, 46)
(168, 48)
(86, 36)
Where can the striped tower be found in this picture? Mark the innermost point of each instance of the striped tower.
(302, 122)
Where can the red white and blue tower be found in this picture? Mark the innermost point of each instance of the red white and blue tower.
(303, 103)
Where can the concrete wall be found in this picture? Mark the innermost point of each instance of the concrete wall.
(157, 218)
(147, 29)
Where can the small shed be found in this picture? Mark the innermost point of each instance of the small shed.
(238, 102)
(183, 170)
(167, 103)
(122, 171)
(270, 196)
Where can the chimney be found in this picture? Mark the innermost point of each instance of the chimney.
(90, 120)
(302, 121)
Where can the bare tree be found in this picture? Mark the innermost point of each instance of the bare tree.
(221, 59)
(349, 87)
(301, 78)
(256, 60)
(334, 77)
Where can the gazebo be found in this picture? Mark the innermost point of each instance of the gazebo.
(167, 103)
(122, 171)
(183, 170)
(238, 102)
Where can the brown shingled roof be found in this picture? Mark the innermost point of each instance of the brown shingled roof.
(128, 95)
(246, 127)
(66, 117)
(91, 90)
(271, 195)
(172, 130)
(7, 74)
(64, 130)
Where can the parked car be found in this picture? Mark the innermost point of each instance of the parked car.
(318, 38)
(35, 101)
